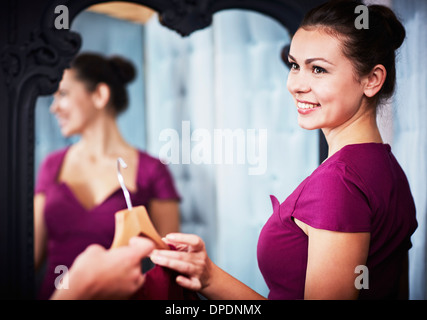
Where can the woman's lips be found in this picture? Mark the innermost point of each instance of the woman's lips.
(61, 121)
(307, 107)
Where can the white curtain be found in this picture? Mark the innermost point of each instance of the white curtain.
(410, 128)
(227, 80)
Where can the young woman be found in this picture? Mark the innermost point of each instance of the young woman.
(77, 190)
(356, 208)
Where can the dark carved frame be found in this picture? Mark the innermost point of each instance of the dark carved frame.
(33, 55)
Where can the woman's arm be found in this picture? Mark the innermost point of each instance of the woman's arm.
(40, 234)
(165, 216)
(223, 286)
(332, 260)
(199, 273)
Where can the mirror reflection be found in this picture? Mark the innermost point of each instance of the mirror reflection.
(213, 107)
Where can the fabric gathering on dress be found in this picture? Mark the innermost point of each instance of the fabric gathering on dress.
(361, 188)
(71, 227)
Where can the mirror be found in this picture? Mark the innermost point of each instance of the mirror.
(215, 108)
(35, 54)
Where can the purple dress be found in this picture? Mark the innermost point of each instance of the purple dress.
(361, 188)
(71, 227)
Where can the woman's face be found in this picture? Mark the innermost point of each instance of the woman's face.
(73, 105)
(322, 81)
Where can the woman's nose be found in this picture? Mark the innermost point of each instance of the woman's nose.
(54, 106)
(298, 83)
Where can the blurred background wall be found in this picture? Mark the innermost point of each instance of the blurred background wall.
(410, 128)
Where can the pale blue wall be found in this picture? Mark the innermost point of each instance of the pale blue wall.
(107, 36)
(410, 128)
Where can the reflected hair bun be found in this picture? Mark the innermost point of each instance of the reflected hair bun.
(115, 71)
(124, 69)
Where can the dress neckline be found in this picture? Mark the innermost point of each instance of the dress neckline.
(64, 185)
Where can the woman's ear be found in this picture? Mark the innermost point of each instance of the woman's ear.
(101, 95)
(375, 80)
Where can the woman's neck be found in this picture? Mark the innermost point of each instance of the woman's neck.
(363, 129)
(102, 138)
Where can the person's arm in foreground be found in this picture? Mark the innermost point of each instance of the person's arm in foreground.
(98, 273)
(199, 273)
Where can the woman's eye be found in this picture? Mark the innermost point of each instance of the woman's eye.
(318, 70)
(62, 93)
(294, 66)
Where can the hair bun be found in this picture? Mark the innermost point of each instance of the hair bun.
(394, 28)
(124, 69)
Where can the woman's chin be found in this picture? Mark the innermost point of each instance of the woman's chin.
(66, 133)
(307, 125)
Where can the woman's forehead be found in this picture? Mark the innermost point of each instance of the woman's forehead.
(315, 42)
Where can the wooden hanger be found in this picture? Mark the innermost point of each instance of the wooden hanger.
(133, 221)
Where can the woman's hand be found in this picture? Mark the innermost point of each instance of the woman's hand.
(198, 272)
(190, 259)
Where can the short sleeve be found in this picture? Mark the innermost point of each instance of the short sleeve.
(46, 174)
(42, 180)
(334, 198)
(162, 184)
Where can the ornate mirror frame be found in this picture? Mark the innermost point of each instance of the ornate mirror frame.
(33, 55)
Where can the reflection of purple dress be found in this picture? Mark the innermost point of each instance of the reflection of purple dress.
(71, 227)
(361, 188)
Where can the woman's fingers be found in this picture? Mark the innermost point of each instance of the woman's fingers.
(190, 260)
(177, 246)
(189, 283)
(173, 254)
(193, 242)
(176, 260)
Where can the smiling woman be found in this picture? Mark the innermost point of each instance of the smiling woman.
(317, 83)
(338, 76)
(355, 211)
(77, 191)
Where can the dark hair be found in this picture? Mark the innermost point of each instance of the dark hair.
(115, 71)
(364, 47)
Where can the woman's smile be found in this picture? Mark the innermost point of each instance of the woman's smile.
(319, 76)
(305, 107)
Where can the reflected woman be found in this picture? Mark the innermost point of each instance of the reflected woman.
(356, 208)
(77, 191)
